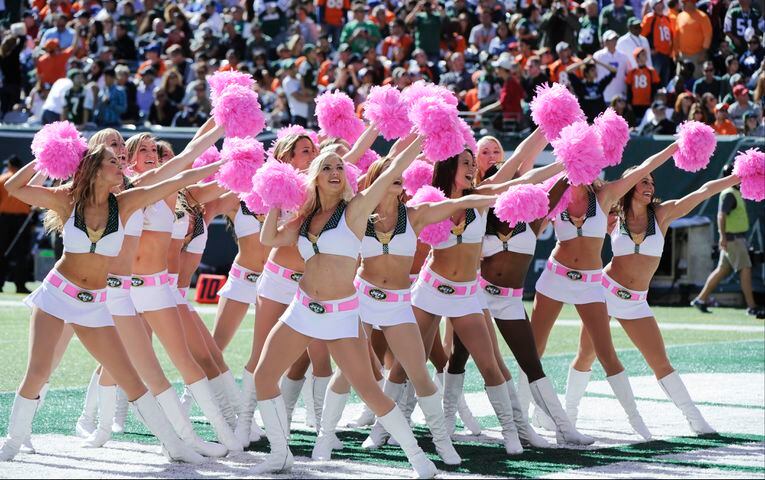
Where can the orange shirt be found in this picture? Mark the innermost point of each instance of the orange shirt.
(159, 67)
(557, 67)
(456, 45)
(726, 127)
(660, 31)
(9, 204)
(641, 81)
(52, 67)
(334, 11)
(693, 32)
(392, 46)
(323, 74)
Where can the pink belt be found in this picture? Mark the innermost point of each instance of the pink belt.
(74, 291)
(184, 291)
(379, 294)
(326, 307)
(118, 281)
(447, 289)
(622, 293)
(245, 274)
(573, 274)
(150, 280)
(492, 289)
(171, 280)
(291, 275)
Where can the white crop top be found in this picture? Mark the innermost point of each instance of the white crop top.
(158, 217)
(652, 244)
(77, 239)
(336, 238)
(198, 235)
(520, 239)
(134, 225)
(181, 225)
(401, 241)
(473, 231)
(595, 222)
(246, 222)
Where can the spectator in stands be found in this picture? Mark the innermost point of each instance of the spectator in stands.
(659, 124)
(731, 68)
(360, 33)
(631, 40)
(735, 79)
(614, 17)
(741, 15)
(172, 84)
(684, 80)
(153, 60)
(111, 102)
(501, 42)
(132, 112)
(53, 107)
(35, 101)
(124, 44)
(482, 34)
(297, 99)
(709, 103)
(558, 25)
(52, 64)
(306, 26)
(589, 33)
(693, 36)
(709, 83)
(273, 21)
(11, 46)
(742, 106)
(658, 28)
(697, 113)
(621, 107)
(457, 78)
(331, 15)
(15, 234)
(722, 124)
(511, 94)
(59, 32)
(609, 55)
(145, 91)
(752, 58)
(590, 90)
(642, 82)
(557, 69)
(427, 27)
(158, 34)
(752, 126)
(397, 46)
(162, 111)
(683, 104)
(534, 77)
(79, 100)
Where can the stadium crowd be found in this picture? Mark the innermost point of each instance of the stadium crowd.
(144, 62)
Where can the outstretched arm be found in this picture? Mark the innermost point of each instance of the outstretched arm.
(536, 175)
(363, 144)
(615, 190)
(271, 235)
(427, 213)
(524, 155)
(20, 185)
(674, 209)
(206, 192)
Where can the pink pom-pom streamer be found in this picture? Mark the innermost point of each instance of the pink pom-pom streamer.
(238, 111)
(337, 116)
(696, 143)
(578, 148)
(218, 82)
(387, 110)
(553, 108)
(254, 202)
(297, 130)
(280, 185)
(58, 148)
(211, 155)
(468, 137)
(565, 199)
(750, 168)
(439, 123)
(421, 89)
(352, 175)
(417, 175)
(435, 233)
(367, 159)
(522, 203)
(243, 157)
(614, 133)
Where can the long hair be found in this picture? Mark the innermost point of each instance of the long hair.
(624, 205)
(375, 170)
(163, 147)
(100, 137)
(444, 173)
(82, 187)
(312, 202)
(285, 146)
(488, 138)
(133, 143)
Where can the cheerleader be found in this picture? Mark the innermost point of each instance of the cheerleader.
(328, 231)
(637, 242)
(573, 275)
(151, 294)
(82, 305)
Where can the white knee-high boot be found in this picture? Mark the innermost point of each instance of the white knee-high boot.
(149, 412)
(675, 389)
(524, 393)
(87, 421)
(434, 416)
(334, 404)
(318, 393)
(187, 400)
(576, 385)
(306, 391)
(525, 432)
(367, 416)
(503, 408)
(547, 402)
(452, 391)
(120, 411)
(233, 394)
(395, 423)
(620, 384)
(202, 394)
(171, 406)
(378, 436)
(107, 404)
(244, 418)
(26, 446)
(407, 402)
(19, 426)
(290, 392)
(274, 414)
(218, 387)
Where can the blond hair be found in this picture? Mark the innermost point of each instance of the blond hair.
(313, 202)
(489, 138)
(285, 146)
(100, 137)
(134, 142)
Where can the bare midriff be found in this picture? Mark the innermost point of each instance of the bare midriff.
(86, 270)
(152, 253)
(506, 269)
(633, 271)
(387, 271)
(174, 255)
(122, 264)
(580, 253)
(329, 277)
(287, 257)
(458, 263)
(252, 254)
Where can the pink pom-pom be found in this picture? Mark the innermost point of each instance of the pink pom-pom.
(696, 143)
(387, 110)
(417, 175)
(211, 155)
(297, 130)
(553, 108)
(421, 89)
(435, 233)
(352, 175)
(522, 203)
(243, 157)
(366, 160)
(238, 111)
(468, 137)
(565, 199)
(254, 202)
(750, 168)
(614, 133)
(280, 185)
(58, 148)
(218, 82)
(578, 148)
(439, 123)
(337, 116)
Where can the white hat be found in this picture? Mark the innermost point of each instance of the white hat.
(610, 35)
(560, 47)
(656, 2)
(505, 61)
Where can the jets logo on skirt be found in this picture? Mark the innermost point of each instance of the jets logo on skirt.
(378, 294)
(252, 277)
(86, 297)
(295, 277)
(136, 282)
(492, 290)
(574, 275)
(113, 282)
(446, 289)
(624, 294)
(316, 307)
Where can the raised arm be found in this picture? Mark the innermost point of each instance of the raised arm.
(271, 235)
(536, 175)
(363, 144)
(427, 213)
(615, 190)
(524, 155)
(206, 192)
(674, 209)
(21, 187)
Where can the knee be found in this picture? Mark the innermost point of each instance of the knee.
(37, 374)
(264, 379)
(661, 366)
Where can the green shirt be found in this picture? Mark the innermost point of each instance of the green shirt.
(615, 19)
(361, 43)
(427, 34)
(737, 21)
(736, 218)
(589, 41)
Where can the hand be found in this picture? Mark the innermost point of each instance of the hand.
(723, 243)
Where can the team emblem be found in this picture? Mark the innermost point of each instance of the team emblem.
(378, 294)
(574, 275)
(295, 277)
(624, 294)
(113, 282)
(446, 289)
(86, 297)
(136, 282)
(492, 290)
(252, 277)
(316, 307)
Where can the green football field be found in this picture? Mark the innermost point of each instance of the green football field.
(721, 356)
